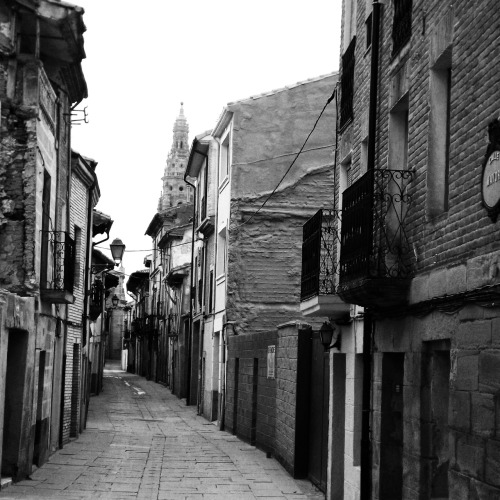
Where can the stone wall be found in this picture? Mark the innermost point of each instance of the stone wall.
(17, 379)
(451, 325)
(17, 198)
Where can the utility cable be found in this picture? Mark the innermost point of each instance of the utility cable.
(152, 249)
(330, 99)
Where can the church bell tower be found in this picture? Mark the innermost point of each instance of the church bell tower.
(175, 190)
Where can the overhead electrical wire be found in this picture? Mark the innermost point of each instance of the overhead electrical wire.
(152, 249)
(301, 150)
(330, 99)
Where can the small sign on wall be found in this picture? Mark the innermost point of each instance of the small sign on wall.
(491, 172)
(271, 361)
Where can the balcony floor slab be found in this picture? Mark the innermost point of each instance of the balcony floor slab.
(330, 306)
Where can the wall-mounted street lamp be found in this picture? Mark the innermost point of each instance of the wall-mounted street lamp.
(326, 336)
(115, 300)
(117, 248)
(231, 327)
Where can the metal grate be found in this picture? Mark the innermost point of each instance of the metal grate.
(61, 275)
(320, 247)
(374, 238)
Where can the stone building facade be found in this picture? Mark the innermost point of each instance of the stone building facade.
(165, 333)
(416, 207)
(163, 340)
(45, 217)
(201, 170)
(265, 191)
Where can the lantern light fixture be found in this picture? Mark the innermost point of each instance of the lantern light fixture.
(326, 336)
(117, 248)
(115, 300)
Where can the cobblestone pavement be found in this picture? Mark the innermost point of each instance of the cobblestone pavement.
(143, 442)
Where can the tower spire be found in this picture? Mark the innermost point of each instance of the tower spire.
(175, 190)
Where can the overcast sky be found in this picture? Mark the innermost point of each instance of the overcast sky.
(144, 58)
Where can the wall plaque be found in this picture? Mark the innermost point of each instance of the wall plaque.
(491, 172)
(271, 361)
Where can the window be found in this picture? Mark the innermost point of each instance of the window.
(45, 228)
(368, 22)
(221, 252)
(347, 85)
(345, 179)
(224, 159)
(78, 255)
(349, 26)
(398, 135)
(368, 30)
(439, 135)
(205, 191)
(211, 292)
(401, 24)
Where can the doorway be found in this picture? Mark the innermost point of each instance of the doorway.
(318, 413)
(17, 351)
(435, 431)
(41, 426)
(391, 432)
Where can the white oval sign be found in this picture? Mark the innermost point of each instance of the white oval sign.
(491, 180)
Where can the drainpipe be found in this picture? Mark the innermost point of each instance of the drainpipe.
(87, 262)
(368, 323)
(190, 337)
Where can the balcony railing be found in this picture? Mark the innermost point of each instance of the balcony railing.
(374, 238)
(401, 25)
(347, 84)
(320, 265)
(320, 246)
(96, 299)
(58, 286)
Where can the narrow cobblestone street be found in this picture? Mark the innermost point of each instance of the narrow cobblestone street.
(143, 442)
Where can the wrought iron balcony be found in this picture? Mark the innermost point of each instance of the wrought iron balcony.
(320, 269)
(376, 261)
(401, 25)
(96, 299)
(58, 267)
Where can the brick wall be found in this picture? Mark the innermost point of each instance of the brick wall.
(258, 404)
(465, 228)
(286, 394)
(264, 254)
(454, 252)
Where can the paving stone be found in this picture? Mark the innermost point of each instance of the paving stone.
(156, 447)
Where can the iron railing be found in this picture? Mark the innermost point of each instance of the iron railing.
(96, 293)
(320, 251)
(61, 266)
(347, 84)
(374, 237)
(401, 25)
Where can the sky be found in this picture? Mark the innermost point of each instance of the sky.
(145, 58)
